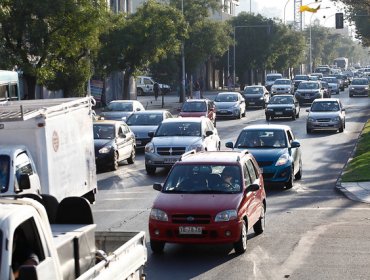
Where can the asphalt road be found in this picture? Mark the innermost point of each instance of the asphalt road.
(312, 231)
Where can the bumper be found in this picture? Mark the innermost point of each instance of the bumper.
(156, 160)
(255, 102)
(324, 125)
(104, 159)
(281, 91)
(213, 233)
(280, 114)
(359, 92)
(306, 98)
(277, 174)
(141, 142)
(227, 113)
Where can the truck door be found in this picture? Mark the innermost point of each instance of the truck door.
(25, 166)
(149, 83)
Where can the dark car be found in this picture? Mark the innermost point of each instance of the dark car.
(282, 106)
(198, 108)
(143, 122)
(298, 79)
(209, 198)
(326, 87)
(256, 96)
(308, 91)
(359, 87)
(114, 142)
(276, 150)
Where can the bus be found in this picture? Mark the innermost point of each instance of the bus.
(9, 86)
(341, 62)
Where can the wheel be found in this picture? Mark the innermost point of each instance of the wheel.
(298, 115)
(293, 116)
(267, 118)
(241, 245)
(239, 115)
(289, 184)
(245, 110)
(131, 159)
(259, 227)
(140, 91)
(150, 169)
(264, 105)
(157, 246)
(308, 130)
(115, 161)
(341, 129)
(298, 176)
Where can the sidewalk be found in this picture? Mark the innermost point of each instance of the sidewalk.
(358, 191)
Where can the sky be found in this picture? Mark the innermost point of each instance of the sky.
(275, 8)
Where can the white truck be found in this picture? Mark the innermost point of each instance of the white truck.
(34, 249)
(51, 142)
(144, 86)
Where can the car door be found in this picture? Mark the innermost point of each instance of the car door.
(211, 141)
(295, 153)
(296, 105)
(127, 139)
(242, 103)
(252, 201)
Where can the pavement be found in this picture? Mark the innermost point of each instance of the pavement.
(357, 191)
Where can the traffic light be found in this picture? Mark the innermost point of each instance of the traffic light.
(339, 20)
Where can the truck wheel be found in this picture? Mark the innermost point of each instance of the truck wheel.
(90, 196)
(150, 169)
(140, 91)
(115, 161)
(241, 245)
(131, 159)
(259, 227)
(157, 246)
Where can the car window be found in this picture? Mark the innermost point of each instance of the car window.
(252, 171)
(194, 107)
(261, 138)
(179, 129)
(226, 98)
(360, 82)
(253, 90)
(120, 106)
(145, 119)
(308, 86)
(290, 136)
(247, 179)
(103, 131)
(282, 100)
(4, 172)
(325, 106)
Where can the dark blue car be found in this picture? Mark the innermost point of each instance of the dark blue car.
(276, 150)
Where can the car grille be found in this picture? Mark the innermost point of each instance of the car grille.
(324, 120)
(171, 151)
(265, 163)
(191, 219)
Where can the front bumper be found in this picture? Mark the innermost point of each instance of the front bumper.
(104, 159)
(156, 160)
(257, 102)
(212, 233)
(275, 174)
(324, 125)
(359, 92)
(228, 113)
(280, 113)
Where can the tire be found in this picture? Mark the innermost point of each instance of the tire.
(264, 105)
(341, 129)
(259, 227)
(298, 115)
(157, 246)
(239, 115)
(293, 116)
(150, 170)
(140, 91)
(241, 245)
(115, 161)
(289, 184)
(131, 159)
(245, 111)
(267, 118)
(298, 176)
(308, 130)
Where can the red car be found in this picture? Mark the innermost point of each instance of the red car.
(198, 108)
(209, 198)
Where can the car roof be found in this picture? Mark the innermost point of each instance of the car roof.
(228, 157)
(147, 112)
(197, 100)
(274, 74)
(180, 119)
(267, 126)
(326, 100)
(112, 122)
(227, 92)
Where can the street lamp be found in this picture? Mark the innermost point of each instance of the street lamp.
(285, 9)
(182, 95)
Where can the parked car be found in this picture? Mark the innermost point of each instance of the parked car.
(143, 122)
(145, 84)
(114, 142)
(326, 88)
(209, 198)
(198, 108)
(230, 104)
(326, 114)
(298, 79)
(276, 150)
(270, 79)
(257, 96)
(120, 109)
(282, 86)
(308, 91)
(334, 84)
(176, 136)
(282, 106)
(359, 87)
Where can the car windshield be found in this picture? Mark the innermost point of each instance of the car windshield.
(119, 106)
(253, 90)
(308, 86)
(261, 138)
(4, 172)
(330, 80)
(360, 82)
(301, 78)
(226, 98)
(272, 78)
(145, 119)
(104, 131)
(179, 129)
(194, 107)
(204, 179)
(282, 82)
(329, 106)
(282, 100)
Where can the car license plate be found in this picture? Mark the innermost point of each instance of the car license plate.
(278, 113)
(307, 97)
(323, 124)
(170, 160)
(190, 230)
(138, 142)
(223, 111)
(251, 103)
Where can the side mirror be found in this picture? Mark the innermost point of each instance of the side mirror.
(295, 144)
(157, 187)
(24, 182)
(307, 110)
(209, 132)
(229, 145)
(151, 134)
(343, 109)
(138, 109)
(252, 188)
(178, 109)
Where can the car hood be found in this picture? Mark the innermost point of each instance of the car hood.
(225, 105)
(281, 86)
(175, 140)
(307, 90)
(100, 143)
(197, 203)
(192, 114)
(358, 86)
(142, 130)
(266, 154)
(115, 115)
(323, 114)
(253, 95)
(277, 106)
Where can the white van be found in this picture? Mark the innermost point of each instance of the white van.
(144, 86)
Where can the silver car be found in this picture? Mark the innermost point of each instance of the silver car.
(326, 114)
(230, 104)
(176, 136)
(120, 110)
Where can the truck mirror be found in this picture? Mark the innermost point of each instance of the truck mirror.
(24, 182)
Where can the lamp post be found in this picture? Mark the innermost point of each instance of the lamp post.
(311, 43)
(285, 9)
(182, 95)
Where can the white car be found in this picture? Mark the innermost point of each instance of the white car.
(282, 86)
(176, 136)
(120, 110)
(230, 104)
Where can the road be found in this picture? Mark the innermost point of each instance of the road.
(312, 231)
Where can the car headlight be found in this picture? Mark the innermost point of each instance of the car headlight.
(366, 88)
(261, 98)
(159, 215)
(149, 148)
(197, 147)
(310, 119)
(236, 106)
(336, 119)
(105, 150)
(227, 215)
(283, 159)
(269, 109)
(352, 88)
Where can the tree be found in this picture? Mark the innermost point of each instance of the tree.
(51, 42)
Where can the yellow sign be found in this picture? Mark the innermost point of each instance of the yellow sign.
(306, 8)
